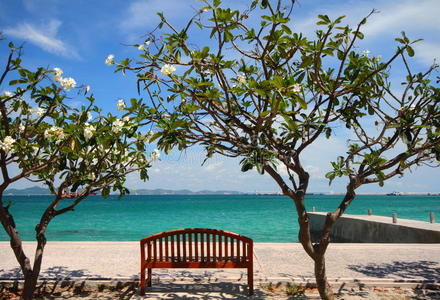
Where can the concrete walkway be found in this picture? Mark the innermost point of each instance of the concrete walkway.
(274, 262)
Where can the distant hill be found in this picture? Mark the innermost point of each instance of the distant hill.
(42, 191)
(35, 190)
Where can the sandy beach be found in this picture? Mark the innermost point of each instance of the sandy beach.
(378, 264)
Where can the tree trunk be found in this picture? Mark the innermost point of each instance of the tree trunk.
(324, 288)
(30, 283)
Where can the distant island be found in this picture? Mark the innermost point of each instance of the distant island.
(42, 191)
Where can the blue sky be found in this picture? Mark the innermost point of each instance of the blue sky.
(78, 35)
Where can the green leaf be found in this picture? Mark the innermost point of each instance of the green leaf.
(410, 51)
(105, 192)
(246, 167)
(302, 102)
(324, 20)
(265, 113)
(260, 168)
(264, 4)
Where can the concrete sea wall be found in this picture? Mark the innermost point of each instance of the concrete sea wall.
(376, 229)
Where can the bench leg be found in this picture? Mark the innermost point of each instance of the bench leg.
(149, 278)
(251, 280)
(142, 283)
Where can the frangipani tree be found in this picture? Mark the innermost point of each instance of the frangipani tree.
(265, 93)
(73, 151)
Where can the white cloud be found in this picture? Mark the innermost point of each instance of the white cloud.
(393, 17)
(405, 15)
(141, 14)
(44, 37)
(427, 52)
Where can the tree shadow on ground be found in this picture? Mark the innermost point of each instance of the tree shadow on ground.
(426, 270)
(217, 290)
(56, 272)
(130, 290)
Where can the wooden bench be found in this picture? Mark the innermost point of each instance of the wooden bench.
(196, 248)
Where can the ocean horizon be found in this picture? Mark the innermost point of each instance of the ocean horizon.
(264, 218)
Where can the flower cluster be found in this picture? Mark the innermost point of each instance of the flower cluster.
(89, 130)
(167, 69)
(40, 111)
(7, 94)
(7, 143)
(66, 83)
(117, 126)
(297, 88)
(121, 104)
(58, 73)
(143, 47)
(110, 60)
(241, 79)
(54, 131)
(155, 155)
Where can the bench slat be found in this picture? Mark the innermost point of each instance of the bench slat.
(226, 246)
(195, 264)
(173, 254)
(214, 250)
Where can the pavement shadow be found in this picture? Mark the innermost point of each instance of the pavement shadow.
(426, 270)
(218, 290)
(56, 272)
(11, 274)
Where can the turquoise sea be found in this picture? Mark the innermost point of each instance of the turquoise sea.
(263, 218)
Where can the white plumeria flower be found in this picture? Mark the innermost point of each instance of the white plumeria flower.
(155, 155)
(117, 126)
(35, 149)
(366, 53)
(54, 131)
(297, 88)
(21, 127)
(89, 116)
(7, 94)
(167, 69)
(40, 112)
(141, 47)
(68, 83)
(7, 143)
(87, 89)
(241, 79)
(89, 131)
(58, 73)
(121, 104)
(126, 119)
(110, 60)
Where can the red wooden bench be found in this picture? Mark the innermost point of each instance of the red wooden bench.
(196, 248)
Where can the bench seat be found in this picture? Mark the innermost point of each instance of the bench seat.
(195, 248)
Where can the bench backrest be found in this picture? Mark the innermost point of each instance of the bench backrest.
(197, 244)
